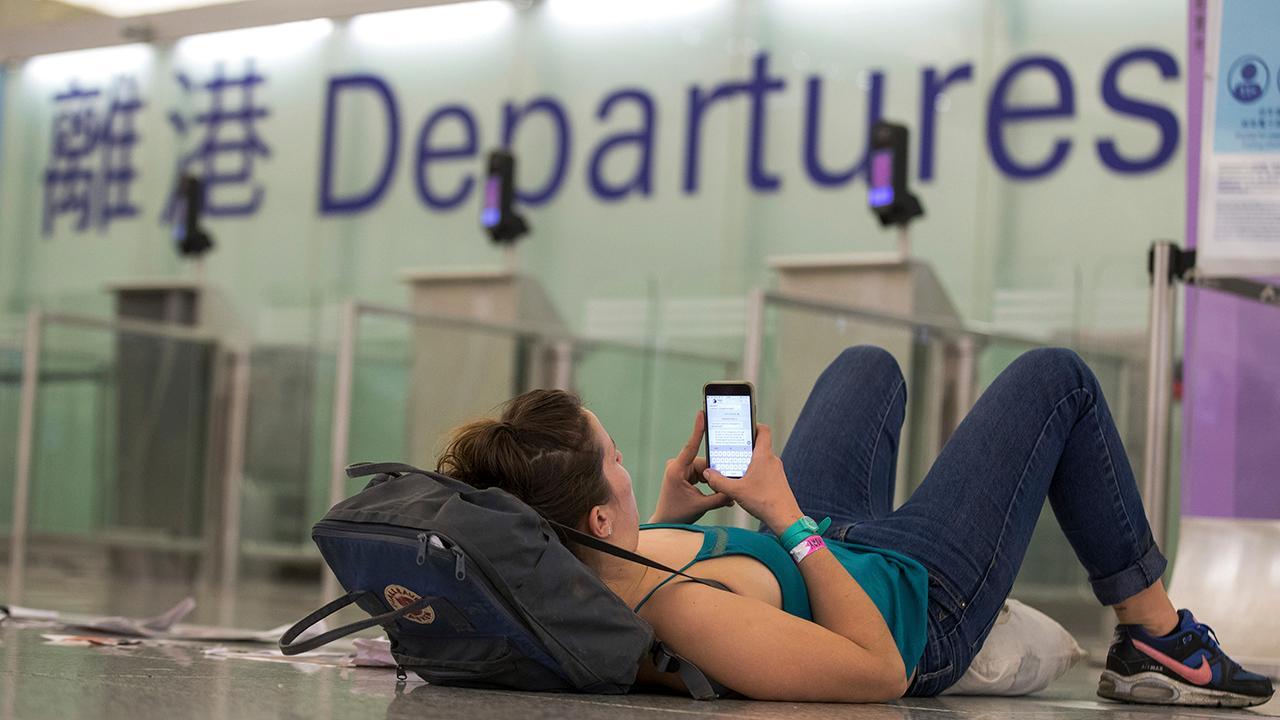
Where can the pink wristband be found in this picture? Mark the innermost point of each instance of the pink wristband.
(807, 547)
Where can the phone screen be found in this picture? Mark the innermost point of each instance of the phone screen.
(729, 434)
(881, 192)
(491, 213)
(178, 229)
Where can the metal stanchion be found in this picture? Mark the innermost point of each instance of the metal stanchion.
(562, 371)
(22, 469)
(340, 443)
(754, 345)
(966, 378)
(751, 359)
(237, 420)
(1155, 470)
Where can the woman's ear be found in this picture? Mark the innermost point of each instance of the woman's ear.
(599, 523)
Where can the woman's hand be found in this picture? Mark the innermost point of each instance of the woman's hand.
(763, 491)
(680, 500)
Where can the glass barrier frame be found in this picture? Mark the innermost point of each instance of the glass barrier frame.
(217, 559)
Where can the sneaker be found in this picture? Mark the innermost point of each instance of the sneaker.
(1185, 667)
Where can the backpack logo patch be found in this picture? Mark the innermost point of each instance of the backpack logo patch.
(399, 596)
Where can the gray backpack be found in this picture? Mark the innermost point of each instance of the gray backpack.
(475, 588)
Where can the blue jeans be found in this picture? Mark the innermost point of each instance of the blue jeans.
(1042, 429)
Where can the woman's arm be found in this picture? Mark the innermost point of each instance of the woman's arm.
(838, 602)
(765, 653)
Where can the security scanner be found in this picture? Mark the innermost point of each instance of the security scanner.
(887, 192)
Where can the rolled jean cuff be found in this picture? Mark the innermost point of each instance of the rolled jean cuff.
(1117, 588)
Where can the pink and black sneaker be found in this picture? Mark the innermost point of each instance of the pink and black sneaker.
(1185, 667)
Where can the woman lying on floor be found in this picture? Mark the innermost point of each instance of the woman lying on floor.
(882, 603)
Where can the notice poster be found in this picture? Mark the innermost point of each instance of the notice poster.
(1239, 228)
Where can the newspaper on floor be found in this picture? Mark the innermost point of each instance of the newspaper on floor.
(165, 626)
(89, 640)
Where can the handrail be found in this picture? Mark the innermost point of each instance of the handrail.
(535, 332)
(940, 325)
(131, 326)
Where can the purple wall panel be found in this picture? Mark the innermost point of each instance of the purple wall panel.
(1209, 417)
(1231, 415)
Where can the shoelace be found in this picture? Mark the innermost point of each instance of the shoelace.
(1232, 665)
(1202, 628)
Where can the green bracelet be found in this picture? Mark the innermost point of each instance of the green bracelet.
(801, 529)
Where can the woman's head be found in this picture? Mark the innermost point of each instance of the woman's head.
(551, 452)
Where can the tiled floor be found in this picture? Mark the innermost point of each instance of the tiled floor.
(39, 681)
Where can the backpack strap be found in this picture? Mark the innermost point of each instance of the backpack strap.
(364, 469)
(610, 549)
(700, 686)
(289, 647)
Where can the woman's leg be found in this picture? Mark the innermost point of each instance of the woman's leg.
(841, 454)
(1042, 429)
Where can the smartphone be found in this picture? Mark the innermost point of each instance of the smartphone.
(731, 425)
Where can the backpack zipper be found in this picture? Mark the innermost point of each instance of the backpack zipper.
(391, 533)
(459, 563)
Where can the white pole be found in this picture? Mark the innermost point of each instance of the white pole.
(752, 352)
(1155, 473)
(562, 371)
(904, 242)
(340, 443)
(754, 345)
(22, 469)
(966, 380)
(237, 422)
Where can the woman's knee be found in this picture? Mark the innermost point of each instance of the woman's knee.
(868, 363)
(1054, 362)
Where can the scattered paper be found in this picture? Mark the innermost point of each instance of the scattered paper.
(164, 626)
(88, 640)
(373, 652)
(221, 635)
(147, 627)
(307, 662)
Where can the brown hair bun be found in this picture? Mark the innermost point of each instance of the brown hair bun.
(540, 449)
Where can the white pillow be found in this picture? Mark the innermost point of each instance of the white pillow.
(1025, 651)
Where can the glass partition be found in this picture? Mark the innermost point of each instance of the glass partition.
(165, 464)
(133, 464)
(285, 464)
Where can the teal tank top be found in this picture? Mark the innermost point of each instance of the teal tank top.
(898, 585)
